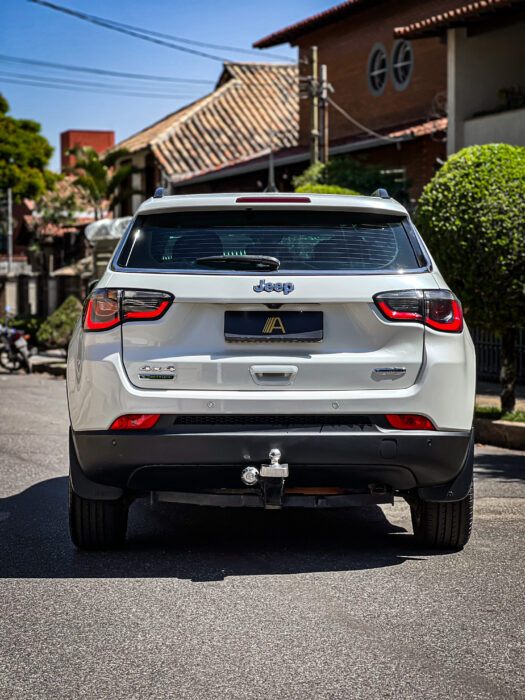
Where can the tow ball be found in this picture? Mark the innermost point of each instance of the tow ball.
(270, 478)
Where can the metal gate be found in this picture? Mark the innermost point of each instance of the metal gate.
(488, 354)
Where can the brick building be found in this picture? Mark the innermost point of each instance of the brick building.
(98, 140)
(393, 88)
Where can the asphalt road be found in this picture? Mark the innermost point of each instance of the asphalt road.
(242, 604)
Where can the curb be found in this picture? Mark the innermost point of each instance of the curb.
(56, 368)
(502, 433)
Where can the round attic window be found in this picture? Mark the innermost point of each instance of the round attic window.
(377, 72)
(402, 63)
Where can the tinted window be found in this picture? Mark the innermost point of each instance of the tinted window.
(300, 240)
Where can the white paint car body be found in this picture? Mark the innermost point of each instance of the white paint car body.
(182, 367)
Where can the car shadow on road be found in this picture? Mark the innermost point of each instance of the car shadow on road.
(197, 544)
(503, 465)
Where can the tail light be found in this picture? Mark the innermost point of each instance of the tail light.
(438, 309)
(408, 421)
(107, 308)
(135, 421)
(102, 311)
(17, 335)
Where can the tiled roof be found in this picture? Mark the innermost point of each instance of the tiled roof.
(143, 138)
(289, 34)
(298, 154)
(456, 16)
(230, 124)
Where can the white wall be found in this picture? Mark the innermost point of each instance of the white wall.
(478, 67)
(504, 127)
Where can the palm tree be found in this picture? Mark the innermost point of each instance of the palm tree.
(99, 177)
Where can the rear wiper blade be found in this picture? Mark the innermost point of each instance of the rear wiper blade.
(243, 262)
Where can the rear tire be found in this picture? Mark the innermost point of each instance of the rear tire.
(10, 362)
(443, 525)
(97, 524)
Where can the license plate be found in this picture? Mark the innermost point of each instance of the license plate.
(273, 326)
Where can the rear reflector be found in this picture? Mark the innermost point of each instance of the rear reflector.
(135, 421)
(407, 421)
(273, 200)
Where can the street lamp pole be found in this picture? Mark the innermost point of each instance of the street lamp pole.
(9, 231)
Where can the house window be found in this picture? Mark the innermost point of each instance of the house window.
(377, 72)
(402, 63)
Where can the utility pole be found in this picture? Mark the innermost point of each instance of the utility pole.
(271, 186)
(9, 231)
(323, 115)
(314, 106)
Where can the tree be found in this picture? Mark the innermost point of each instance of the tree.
(352, 174)
(24, 156)
(100, 179)
(472, 215)
(56, 208)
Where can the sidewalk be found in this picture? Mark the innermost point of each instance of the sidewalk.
(52, 362)
(487, 394)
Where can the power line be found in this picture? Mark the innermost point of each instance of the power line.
(150, 35)
(105, 91)
(81, 83)
(193, 42)
(137, 33)
(359, 125)
(100, 71)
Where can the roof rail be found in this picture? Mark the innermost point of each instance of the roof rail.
(381, 192)
(159, 192)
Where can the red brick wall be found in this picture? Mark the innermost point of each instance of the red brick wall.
(345, 46)
(99, 140)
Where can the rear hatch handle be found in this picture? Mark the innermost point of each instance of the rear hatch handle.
(273, 374)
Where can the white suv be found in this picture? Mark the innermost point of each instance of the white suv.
(271, 351)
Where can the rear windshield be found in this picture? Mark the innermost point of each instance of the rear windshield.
(300, 240)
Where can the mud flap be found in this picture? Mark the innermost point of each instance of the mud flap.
(457, 489)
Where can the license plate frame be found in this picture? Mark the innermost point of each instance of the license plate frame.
(274, 326)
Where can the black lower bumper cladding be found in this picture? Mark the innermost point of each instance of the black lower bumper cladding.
(168, 459)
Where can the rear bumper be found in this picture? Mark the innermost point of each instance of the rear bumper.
(164, 461)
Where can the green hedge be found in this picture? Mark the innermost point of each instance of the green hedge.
(325, 189)
(57, 329)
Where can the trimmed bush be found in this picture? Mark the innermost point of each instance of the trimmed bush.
(354, 174)
(57, 329)
(324, 189)
(472, 215)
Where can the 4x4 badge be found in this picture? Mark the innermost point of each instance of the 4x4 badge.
(264, 286)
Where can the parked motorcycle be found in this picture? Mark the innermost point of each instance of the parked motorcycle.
(14, 350)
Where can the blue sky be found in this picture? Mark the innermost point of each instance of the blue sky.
(31, 31)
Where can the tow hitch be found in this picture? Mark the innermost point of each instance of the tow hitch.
(270, 478)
